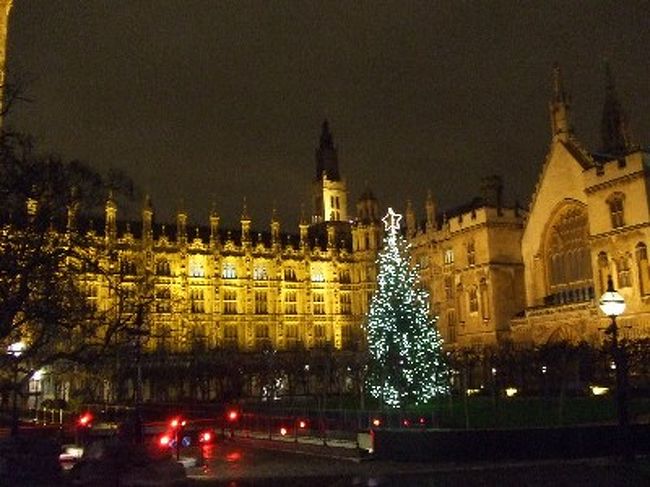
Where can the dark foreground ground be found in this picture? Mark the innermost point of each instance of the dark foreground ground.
(237, 465)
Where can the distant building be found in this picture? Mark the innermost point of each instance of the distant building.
(245, 289)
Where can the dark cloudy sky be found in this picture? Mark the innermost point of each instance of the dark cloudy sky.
(206, 101)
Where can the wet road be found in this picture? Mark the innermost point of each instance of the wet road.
(235, 465)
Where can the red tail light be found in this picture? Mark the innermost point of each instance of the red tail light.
(164, 440)
(85, 420)
(206, 437)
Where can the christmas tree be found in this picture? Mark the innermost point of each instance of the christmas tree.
(406, 361)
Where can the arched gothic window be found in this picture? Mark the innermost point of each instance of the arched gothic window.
(567, 253)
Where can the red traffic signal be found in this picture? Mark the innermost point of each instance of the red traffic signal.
(233, 415)
(85, 420)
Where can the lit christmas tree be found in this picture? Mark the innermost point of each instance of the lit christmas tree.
(407, 365)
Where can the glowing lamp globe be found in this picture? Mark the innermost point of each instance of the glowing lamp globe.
(611, 302)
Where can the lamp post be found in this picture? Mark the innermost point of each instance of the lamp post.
(15, 350)
(612, 304)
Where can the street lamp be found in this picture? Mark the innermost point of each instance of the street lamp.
(15, 350)
(612, 304)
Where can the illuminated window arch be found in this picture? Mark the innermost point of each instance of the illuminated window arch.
(616, 208)
(260, 274)
(567, 254)
(229, 271)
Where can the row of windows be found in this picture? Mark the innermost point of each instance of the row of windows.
(448, 256)
(261, 331)
(197, 300)
(230, 272)
(174, 337)
(624, 266)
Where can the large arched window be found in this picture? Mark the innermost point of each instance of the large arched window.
(567, 255)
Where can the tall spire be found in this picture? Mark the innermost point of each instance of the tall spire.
(615, 132)
(327, 160)
(559, 108)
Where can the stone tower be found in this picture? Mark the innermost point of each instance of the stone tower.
(329, 190)
(5, 9)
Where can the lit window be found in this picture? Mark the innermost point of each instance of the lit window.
(259, 273)
(197, 305)
(196, 267)
(290, 304)
(261, 303)
(229, 271)
(317, 276)
(319, 303)
(230, 302)
(289, 274)
(449, 256)
(346, 304)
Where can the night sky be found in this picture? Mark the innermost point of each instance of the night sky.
(209, 101)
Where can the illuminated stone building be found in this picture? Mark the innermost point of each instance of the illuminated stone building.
(246, 289)
(589, 218)
(470, 261)
(500, 274)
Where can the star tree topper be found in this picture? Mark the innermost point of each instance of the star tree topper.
(391, 221)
